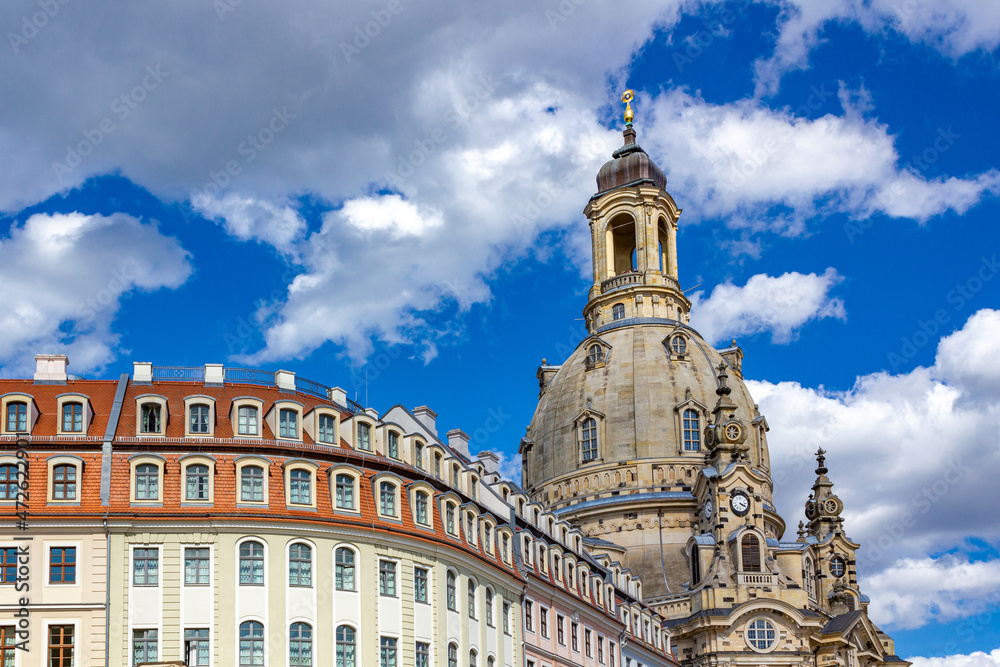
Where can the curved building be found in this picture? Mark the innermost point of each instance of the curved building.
(647, 440)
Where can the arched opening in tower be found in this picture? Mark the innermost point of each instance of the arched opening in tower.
(663, 245)
(623, 246)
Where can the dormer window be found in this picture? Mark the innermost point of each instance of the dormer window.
(17, 417)
(198, 419)
(364, 437)
(326, 429)
(72, 417)
(247, 420)
(150, 418)
(300, 487)
(449, 519)
(392, 445)
(678, 345)
(387, 498)
(288, 423)
(418, 455)
(420, 506)
(595, 355)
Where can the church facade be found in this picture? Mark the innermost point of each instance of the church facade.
(647, 440)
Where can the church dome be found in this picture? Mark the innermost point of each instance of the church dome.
(630, 165)
(651, 379)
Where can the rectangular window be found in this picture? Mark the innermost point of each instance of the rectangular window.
(196, 651)
(150, 421)
(419, 584)
(299, 565)
(300, 487)
(449, 513)
(199, 419)
(364, 437)
(506, 618)
(147, 482)
(529, 622)
(7, 648)
(146, 567)
(574, 635)
(392, 447)
(345, 492)
(288, 424)
(62, 565)
(387, 652)
(543, 621)
(8, 566)
(64, 482)
(560, 633)
(344, 571)
(144, 646)
(611, 653)
(586, 644)
(61, 646)
(17, 417)
(247, 420)
(600, 650)
(72, 417)
(196, 566)
(387, 498)
(418, 456)
(326, 429)
(421, 503)
(437, 465)
(252, 484)
(423, 652)
(196, 482)
(387, 578)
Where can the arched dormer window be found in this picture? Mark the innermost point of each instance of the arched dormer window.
(17, 417)
(595, 355)
(588, 440)
(364, 437)
(72, 417)
(392, 445)
(678, 345)
(750, 553)
(288, 423)
(618, 311)
(692, 431)
(345, 491)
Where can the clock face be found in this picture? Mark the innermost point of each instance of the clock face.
(733, 432)
(740, 503)
(810, 510)
(831, 506)
(708, 509)
(837, 566)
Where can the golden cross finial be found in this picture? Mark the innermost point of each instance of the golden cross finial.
(627, 98)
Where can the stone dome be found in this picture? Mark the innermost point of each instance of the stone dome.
(630, 165)
(639, 392)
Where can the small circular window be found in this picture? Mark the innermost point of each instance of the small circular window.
(761, 635)
(837, 567)
(678, 344)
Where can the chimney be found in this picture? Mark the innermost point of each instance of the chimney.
(142, 372)
(338, 396)
(458, 440)
(491, 462)
(51, 368)
(427, 418)
(285, 380)
(215, 375)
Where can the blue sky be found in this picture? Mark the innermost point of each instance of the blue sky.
(399, 213)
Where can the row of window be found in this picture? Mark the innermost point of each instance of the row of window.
(59, 647)
(16, 418)
(574, 633)
(587, 435)
(61, 565)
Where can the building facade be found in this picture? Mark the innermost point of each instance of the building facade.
(647, 441)
(215, 516)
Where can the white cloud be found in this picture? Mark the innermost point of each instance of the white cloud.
(953, 27)
(928, 459)
(767, 169)
(976, 659)
(246, 218)
(779, 306)
(64, 277)
(916, 591)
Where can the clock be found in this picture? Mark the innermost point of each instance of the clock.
(709, 508)
(830, 506)
(740, 503)
(733, 432)
(837, 567)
